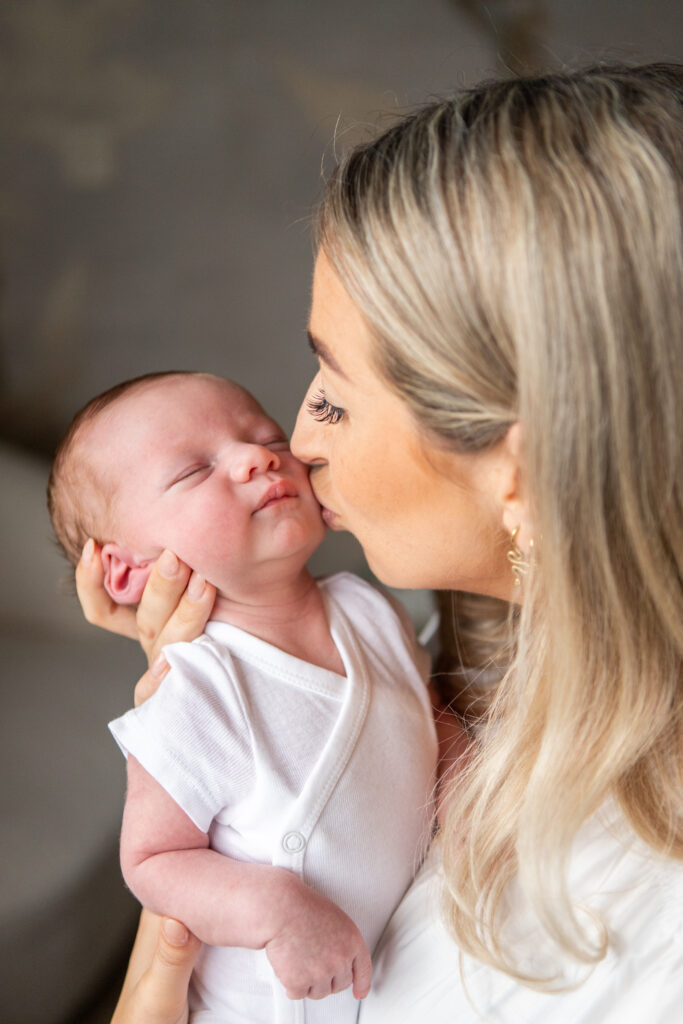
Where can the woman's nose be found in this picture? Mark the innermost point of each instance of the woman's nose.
(305, 442)
(250, 459)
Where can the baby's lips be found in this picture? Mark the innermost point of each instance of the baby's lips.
(276, 491)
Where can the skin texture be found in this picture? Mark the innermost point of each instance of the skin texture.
(190, 461)
(425, 516)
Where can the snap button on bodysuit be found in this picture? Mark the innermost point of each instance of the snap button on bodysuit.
(293, 842)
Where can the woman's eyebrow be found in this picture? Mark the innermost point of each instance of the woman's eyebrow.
(321, 351)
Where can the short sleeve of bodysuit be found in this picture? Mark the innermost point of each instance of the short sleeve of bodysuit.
(192, 736)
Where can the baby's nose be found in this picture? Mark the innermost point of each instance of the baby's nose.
(249, 459)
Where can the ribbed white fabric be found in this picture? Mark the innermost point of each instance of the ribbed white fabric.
(286, 763)
(639, 897)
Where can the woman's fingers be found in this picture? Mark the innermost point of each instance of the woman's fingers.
(175, 605)
(163, 590)
(157, 993)
(98, 607)
(163, 989)
(149, 683)
(192, 613)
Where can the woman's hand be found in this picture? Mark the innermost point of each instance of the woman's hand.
(175, 605)
(155, 989)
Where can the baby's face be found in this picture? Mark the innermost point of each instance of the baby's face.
(196, 465)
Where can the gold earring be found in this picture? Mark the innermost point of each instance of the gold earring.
(519, 562)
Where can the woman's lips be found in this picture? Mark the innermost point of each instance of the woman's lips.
(328, 516)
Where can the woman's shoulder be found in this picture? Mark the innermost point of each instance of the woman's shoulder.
(613, 876)
(609, 861)
(624, 890)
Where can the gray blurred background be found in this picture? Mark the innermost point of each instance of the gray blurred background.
(160, 163)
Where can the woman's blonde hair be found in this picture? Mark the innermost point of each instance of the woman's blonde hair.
(517, 254)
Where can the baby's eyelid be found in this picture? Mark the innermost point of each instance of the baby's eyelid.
(190, 471)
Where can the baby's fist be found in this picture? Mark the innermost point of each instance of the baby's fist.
(319, 950)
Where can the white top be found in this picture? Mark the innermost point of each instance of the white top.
(286, 763)
(639, 897)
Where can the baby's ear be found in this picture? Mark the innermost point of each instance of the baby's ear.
(124, 574)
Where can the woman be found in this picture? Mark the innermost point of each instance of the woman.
(496, 314)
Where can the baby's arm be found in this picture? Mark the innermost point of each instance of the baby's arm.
(313, 946)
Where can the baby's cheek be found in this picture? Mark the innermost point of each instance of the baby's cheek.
(218, 536)
(202, 540)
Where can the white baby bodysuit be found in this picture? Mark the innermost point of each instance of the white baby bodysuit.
(285, 763)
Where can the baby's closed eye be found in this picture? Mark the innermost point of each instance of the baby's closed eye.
(191, 471)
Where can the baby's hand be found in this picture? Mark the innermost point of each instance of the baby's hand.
(318, 949)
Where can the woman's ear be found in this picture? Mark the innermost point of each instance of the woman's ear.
(514, 492)
(124, 574)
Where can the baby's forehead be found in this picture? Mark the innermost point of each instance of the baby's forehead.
(176, 390)
(172, 387)
(175, 401)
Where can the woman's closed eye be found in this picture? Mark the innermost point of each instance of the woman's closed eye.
(322, 410)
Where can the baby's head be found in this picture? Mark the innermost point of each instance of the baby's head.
(184, 461)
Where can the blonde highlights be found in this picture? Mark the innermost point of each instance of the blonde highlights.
(517, 253)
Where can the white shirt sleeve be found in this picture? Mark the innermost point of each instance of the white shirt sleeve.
(192, 736)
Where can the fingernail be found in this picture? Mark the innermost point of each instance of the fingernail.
(159, 666)
(195, 587)
(175, 933)
(88, 551)
(168, 565)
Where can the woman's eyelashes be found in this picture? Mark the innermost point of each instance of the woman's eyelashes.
(322, 410)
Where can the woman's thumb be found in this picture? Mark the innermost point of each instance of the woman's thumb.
(177, 948)
(168, 978)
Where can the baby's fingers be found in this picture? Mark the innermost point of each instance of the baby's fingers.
(358, 973)
(321, 989)
(362, 975)
(342, 980)
(98, 607)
